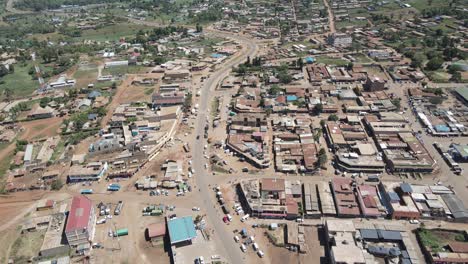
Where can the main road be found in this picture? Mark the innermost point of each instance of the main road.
(232, 252)
(223, 238)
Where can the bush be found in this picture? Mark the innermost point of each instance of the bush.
(56, 185)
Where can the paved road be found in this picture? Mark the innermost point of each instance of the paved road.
(232, 252)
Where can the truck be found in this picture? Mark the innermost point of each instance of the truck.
(225, 209)
(121, 232)
(118, 208)
(86, 191)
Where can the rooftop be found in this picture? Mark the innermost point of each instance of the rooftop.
(181, 229)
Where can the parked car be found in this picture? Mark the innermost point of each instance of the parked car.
(236, 238)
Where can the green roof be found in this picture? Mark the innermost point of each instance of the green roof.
(463, 92)
(181, 229)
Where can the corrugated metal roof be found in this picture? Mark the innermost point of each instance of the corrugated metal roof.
(181, 229)
(80, 212)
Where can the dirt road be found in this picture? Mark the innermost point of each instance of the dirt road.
(331, 17)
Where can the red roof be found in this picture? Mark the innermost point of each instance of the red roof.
(80, 212)
(157, 230)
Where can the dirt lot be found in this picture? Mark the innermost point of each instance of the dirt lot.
(41, 128)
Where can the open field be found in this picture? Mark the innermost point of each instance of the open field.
(20, 82)
(113, 32)
(331, 61)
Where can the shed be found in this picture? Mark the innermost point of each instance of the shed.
(156, 231)
(369, 234)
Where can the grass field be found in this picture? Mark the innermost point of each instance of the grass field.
(121, 70)
(113, 32)
(27, 246)
(331, 61)
(424, 4)
(20, 82)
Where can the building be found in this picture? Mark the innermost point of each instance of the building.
(459, 152)
(369, 201)
(340, 40)
(374, 84)
(81, 221)
(397, 198)
(168, 99)
(156, 232)
(345, 198)
(462, 94)
(79, 173)
(39, 113)
(311, 201)
(181, 231)
(341, 245)
(52, 244)
(359, 243)
(268, 198)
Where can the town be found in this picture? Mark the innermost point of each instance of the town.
(311, 131)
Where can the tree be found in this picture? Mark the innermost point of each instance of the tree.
(8, 94)
(333, 117)
(322, 158)
(114, 85)
(56, 185)
(199, 28)
(396, 103)
(284, 77)
(318, 108)
(11, 68)
(274, 89)
(438, 91)
(300, 63)
(456, 77)
(434, 63)
(436, 100)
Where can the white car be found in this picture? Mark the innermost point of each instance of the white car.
(414, 221)
(243, 248)
(260, 253)
(236, 238)
(196, 209)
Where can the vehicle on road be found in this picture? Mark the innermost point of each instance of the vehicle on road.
(260, 253)
(214, 257)
(225, 219)
(255, 246)
(229, 217)
(414, 221)
(243, 248)
(236, 238)
(245, 217)
(299, 220)
(196, 209)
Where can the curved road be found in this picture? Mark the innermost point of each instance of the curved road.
(232, 252)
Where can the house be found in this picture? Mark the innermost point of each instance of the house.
(374, 84)
(40, 112)
(81, 221)
(168, 99)
(339, 40)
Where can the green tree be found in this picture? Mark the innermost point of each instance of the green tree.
(56, 185)
(333, 117)
(434, 63)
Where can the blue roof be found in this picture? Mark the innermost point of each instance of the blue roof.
(94, 94)
(393, 197)
(442, 128)
(291, 98)
(181, 229)
(369, 234)
(389, 235)
(406, 187)
(310, 59)
(216, 55)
